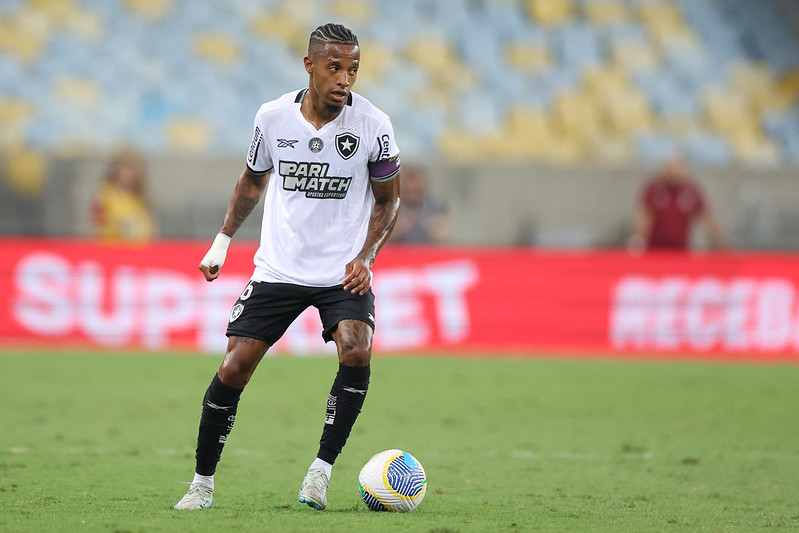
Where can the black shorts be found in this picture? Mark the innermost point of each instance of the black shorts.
(265, 310)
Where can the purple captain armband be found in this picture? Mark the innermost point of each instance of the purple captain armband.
(385, 169)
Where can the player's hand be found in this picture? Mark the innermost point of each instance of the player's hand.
(357, 277)
(215, 257)
(210, 273)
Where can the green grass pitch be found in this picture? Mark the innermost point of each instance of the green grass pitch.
(101, 442)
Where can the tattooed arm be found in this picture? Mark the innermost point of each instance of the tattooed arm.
(358, 272)
(246, 195)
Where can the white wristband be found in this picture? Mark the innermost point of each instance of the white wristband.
(218, 251)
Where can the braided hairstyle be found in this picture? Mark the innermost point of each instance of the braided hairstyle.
(331, 34)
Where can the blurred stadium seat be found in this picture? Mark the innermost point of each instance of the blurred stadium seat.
(217, 48)
(600, 80)
(24, 171)
(549, 13)
(151, 9)
(190, 135)
(605, 12)
(578, 118)
(15, 115)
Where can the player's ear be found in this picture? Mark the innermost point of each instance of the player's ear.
(308, 64)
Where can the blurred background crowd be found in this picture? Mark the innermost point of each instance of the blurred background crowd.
(521, 122)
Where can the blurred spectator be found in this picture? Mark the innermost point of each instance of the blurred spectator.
(668, 206)
(120, 210)
(421, 219)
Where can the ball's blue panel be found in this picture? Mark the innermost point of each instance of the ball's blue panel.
(370, 500)
(407, 480)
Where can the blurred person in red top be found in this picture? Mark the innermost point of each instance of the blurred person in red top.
(422, 219)
(669, 205)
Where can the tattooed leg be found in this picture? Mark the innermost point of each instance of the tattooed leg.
(354, 341)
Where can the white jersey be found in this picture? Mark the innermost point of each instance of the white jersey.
(319, 199)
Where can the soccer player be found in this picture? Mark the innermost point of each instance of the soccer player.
(326, 161)
(669, 205)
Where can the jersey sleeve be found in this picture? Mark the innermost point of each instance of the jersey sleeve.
(384, 160)
(259, 160)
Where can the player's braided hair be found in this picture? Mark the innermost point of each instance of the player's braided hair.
(332, 34)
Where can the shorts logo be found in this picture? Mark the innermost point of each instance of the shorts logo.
(236, 312)
(287, 143)
(315, 145)
(347, 144)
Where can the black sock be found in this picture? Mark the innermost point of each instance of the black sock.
(218, 414)
(343, 406)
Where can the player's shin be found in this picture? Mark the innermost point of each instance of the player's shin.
(343, 406)
(218, 415)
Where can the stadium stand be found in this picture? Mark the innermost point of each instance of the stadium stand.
(556, 81)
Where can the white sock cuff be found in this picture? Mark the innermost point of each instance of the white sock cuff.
(324, 465)
(208, 481)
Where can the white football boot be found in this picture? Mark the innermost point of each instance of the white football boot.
(198, 497)
(313, 490)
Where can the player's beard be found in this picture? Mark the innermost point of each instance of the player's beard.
(331, 103)
(332, 109)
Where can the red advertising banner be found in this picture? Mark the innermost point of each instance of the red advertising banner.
(745, 306)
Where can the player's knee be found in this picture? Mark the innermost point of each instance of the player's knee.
(234, 373)
(241, 359)
(355, 355)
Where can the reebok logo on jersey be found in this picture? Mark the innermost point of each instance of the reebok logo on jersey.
(347, 144)
(287, 143)
(312, 179)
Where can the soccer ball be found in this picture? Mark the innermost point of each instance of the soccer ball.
(392, 481)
